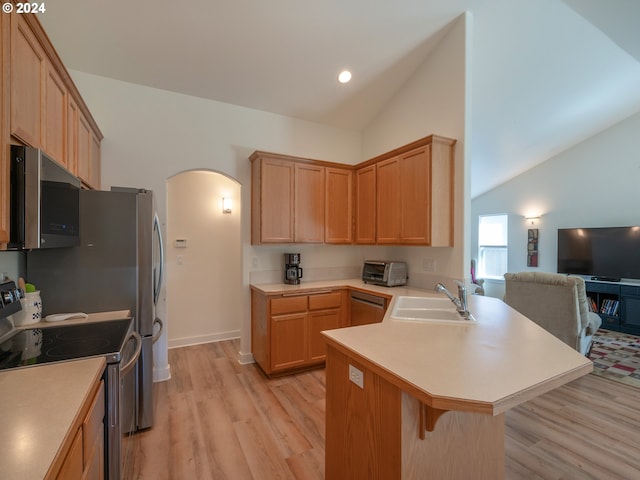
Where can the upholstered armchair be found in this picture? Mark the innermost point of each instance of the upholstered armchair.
(558, 303)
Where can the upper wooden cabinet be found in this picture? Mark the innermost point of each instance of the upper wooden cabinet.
(54, 138)
(299, 200)
(338, 224)
(365, 205)
(272, 183)
(414, 195)
(27, 74)
(5, 55)
(309, 203)
(388, 201)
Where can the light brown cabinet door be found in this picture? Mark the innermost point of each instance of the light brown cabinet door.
(4, 133)
(72, 136)
(272, 202)
(415, 201)
(309, 203)
(288, 341)
(94, 163)
(338, 225)
(319, 321)
(84, 149)
(55, 115)
(27, 64)
(388, 201)
(365, 205)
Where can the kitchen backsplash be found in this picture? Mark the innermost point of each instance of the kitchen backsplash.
(310, 274)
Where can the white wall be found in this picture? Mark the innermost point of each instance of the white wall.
(151, 135)
(435, 100)
(593, 184)
(204, 273)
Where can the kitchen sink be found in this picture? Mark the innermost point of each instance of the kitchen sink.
(427, 309)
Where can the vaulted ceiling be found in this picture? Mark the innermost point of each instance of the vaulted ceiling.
(545, 74)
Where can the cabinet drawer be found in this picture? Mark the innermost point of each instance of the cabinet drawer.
(282, 305)
(602, 287)
(92, 425)
(322, 301)
(629, 290)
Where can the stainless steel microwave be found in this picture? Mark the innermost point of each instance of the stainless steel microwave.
(44, 202)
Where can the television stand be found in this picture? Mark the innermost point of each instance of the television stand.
(606, 279)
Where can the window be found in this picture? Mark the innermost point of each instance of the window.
(493, 246)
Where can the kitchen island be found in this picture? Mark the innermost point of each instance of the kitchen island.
(433, 396)
(45, 413)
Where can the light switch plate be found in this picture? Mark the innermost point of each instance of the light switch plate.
(356, 376)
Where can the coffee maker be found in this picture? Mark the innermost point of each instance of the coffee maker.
(292, 268)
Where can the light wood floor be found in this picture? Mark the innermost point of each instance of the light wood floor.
(217, 419)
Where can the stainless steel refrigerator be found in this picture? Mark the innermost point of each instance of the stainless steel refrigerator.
(118, 265)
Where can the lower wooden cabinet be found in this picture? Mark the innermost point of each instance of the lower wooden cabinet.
(285, 330)
(84, 457)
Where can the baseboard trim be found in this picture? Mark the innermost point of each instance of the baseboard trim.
(200, 339)
(162, 374)
(245, 358)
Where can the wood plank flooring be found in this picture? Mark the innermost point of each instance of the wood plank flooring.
(217, 419)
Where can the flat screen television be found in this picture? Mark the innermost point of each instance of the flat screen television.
(607, 253)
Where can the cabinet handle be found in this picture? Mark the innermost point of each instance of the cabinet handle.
(299, 294)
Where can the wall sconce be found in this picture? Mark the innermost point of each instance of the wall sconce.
(532, 218)
(227, 204)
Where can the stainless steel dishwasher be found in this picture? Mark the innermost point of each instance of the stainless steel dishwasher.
(366, 308)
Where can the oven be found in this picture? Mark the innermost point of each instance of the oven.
(114, 339)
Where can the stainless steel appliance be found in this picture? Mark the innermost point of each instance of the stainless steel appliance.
(44, 202)
(115, 340)
(119, 265)
(385, 273)
(292, 268)
(366, 308)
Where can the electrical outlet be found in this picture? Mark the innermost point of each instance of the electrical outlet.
(356, 376)
(429, 265)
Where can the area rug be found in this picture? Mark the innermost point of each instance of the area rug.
(616, 356)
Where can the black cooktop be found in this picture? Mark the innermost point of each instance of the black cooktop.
(36, 346)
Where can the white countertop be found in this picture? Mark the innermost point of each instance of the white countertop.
(489, 366)
(38, 407)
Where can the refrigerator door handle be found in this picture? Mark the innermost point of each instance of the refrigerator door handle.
(158, 285)
(156, 335)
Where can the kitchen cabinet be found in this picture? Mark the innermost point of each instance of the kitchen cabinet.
(402, 197)
(338, 196)
(388, 201)
(414, 195)
(84, 458)
(272, 184)
(73, 115)
(55, 115)
(309, 203)
(285, 328)
(5, 94)
(365, 205)
(27, 67)
(295, 200)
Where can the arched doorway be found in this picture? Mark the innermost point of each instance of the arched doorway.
(204, 258)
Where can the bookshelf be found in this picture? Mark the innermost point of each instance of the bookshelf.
(618, 304)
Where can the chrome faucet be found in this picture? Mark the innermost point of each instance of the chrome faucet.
(460, 302)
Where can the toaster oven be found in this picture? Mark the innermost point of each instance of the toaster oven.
(385, 273)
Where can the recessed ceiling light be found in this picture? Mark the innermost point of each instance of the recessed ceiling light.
(344, 76)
